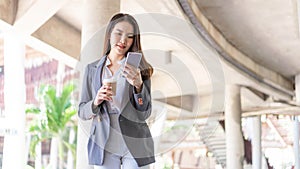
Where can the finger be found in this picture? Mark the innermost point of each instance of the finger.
(105, 97)
(126, 71)
(133, 80)
(129, 66)
(131, 74)
(106, 93)
(104, 89)
(128, 75)
(101, 90)
(131, 70)
(102, 97)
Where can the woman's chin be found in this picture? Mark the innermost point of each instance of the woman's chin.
(120, 51)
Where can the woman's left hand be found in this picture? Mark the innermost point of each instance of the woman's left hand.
(133, 76)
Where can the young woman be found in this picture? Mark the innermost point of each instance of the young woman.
(119, 134)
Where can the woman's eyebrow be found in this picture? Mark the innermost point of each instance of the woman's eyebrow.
(119, 30)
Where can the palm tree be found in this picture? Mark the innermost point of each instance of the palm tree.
(55, 115)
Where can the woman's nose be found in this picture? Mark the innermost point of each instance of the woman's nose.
(123, 39)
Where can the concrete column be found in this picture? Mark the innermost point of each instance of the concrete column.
(70, 159)
(256, 142)
(96, 14)
(297, 83)
(60, 78)
(14, 98)
(296, 125)
(38, 156)
(160, 114)
(234, 137)
(296, 142)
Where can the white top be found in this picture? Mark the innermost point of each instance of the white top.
(115, 143)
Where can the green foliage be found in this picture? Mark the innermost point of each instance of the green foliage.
(53, 117)
(28, 167)
(167, 166)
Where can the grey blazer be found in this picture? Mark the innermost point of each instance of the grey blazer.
(134, 129)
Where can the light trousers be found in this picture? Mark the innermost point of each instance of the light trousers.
(113, 161)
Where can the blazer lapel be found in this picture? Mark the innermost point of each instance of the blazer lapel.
(98, 74)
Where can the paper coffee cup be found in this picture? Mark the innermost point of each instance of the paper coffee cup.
(111, 82)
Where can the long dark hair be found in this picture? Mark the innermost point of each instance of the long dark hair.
(146, 68)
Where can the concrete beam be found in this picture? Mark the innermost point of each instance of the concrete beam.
(274, 128)
(61, 36)
(43, 47)
(287, 110)
(175, 112)
(55, 38)
(8, 10)
(183, 101)
(37, 15)
(251, 98)
(51, 51)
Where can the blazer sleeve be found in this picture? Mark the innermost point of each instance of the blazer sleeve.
(85, 111)
(143, 101)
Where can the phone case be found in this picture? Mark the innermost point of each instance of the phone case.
(134, 59)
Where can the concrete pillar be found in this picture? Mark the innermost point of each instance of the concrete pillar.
(234, 137)
(60, 78)
(296, 125)
(160, 113)
(70, 159)
(297, 83)
(38, 156)
(256, 142)
(96, 14)
(14, 98)
(296, 142)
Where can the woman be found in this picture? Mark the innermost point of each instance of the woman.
(119, 134)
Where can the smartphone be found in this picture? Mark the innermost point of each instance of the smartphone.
(134, 59)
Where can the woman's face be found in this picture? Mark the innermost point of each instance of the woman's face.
(121, 38)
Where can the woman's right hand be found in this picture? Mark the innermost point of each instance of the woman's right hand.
(104, 93)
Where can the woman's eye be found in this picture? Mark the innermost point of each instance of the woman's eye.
(118, 33)
(130, 36)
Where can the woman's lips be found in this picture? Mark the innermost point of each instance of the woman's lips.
(121, 46)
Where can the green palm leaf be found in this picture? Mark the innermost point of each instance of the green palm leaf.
(58, 114)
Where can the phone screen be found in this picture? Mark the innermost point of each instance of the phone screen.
(134, 59)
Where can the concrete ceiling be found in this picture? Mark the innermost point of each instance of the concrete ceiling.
(235, 20)
(251, 27)
(266, 31)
